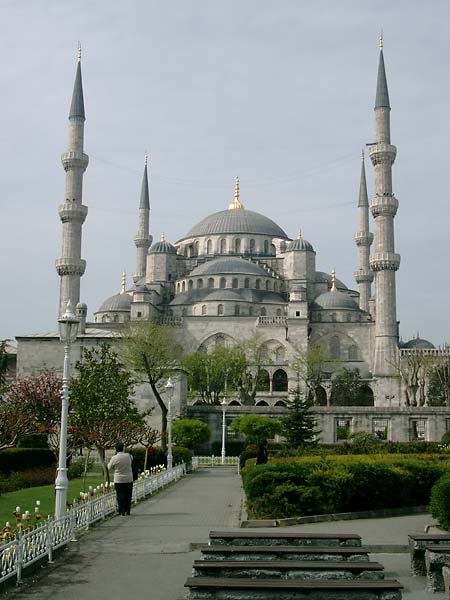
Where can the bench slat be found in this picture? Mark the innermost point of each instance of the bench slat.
(283, 534)
(283, 549)
(289, 564)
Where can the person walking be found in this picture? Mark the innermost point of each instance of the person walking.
(123, 478)
(263, 455)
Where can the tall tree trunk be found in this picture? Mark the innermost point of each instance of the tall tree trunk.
(102, 456)
(161, 405)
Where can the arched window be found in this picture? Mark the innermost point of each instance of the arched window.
(220, 340)
(352, 353)
(209, 247)
(223, 282)
(263, 381)
(348, 317)
(262, 403)
(267, 285)
(204, 309)
(263, 312)
(235, 283)
(333, 317)
(116, 318)
(178, 288)
(183, 287)
(275, 286)
(335, 347)
(220, 309)
(190, 284)
(273, 250)
(199, 284)
(280, 403)
(196, 248)
(258, 284)
(223, 246)
(104, 319)
(184, 312)
(279, 381)
(210, 282)
(266, 247)
(279, 312)
(237, 310)
(237, 246)
(246, 282)
(318, 396)
(252, 246)
(250, 311)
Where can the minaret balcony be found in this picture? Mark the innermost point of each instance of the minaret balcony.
(384, 205)
(74, 160)
(72, 211)
(384, 261)
(362, 276)
(142, 241)
(363, 238)
(382, 153)
(70, 266)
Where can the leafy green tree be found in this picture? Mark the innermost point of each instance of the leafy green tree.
(153, 352)
(347, 389)
(256, 428)
(257, 356)
(299, 426)
(439, 383)
(212, 374)
(4, 362)
(101, 407)
(312, 368)
(190, 432)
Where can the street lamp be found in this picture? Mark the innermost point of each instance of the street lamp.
(68, 329)
(169, 390)
(223, 404)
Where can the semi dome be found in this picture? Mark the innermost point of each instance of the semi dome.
(236, 221)
(116, 302)
(418, 343)
(335, 301)
(228, 265)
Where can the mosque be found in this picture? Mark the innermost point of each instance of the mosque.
(237, 272)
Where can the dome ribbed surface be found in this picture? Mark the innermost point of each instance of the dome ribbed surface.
(116, 302)
(228, 265)
(162, 247)
(299, 245)
(335, 301)
(418, 343)
(236, 221)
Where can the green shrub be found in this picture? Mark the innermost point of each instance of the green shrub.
(232, 448)
(23, 459)
(26, 479)
(76, 467)
(440, 501)
(179, 455)
(36, 440)
(249, 452)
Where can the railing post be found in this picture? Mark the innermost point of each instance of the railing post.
(19, 557)
(73, 523)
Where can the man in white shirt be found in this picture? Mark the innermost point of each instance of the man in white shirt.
(123, 478)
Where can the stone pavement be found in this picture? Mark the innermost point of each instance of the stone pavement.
(149, 554)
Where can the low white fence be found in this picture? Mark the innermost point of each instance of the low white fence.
(216, 461)
(42, 540)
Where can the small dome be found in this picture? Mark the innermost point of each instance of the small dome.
(116, 303)
(229, 265)
(162, 247)
(335, 301)
(418, 343)
(299, 245)
(322, 277)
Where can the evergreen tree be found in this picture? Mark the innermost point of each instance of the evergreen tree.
(299, 426)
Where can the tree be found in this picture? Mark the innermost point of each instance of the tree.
(439, 382)
(151, 350)
(256, 428)
(147, 436)
(310, 368)
(212, 374)
(256, 357)
(413, 368)
(100, 402)
(190, 432)
(4, 362)
(347, 389)
(299, 426)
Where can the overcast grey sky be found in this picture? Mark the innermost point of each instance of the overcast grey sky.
(279, 93)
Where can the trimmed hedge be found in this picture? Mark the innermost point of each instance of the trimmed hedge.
(26, 479)
(24, 459)
(179, 455)
(440, 501)
(320, 485)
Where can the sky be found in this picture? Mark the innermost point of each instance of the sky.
(279, 93)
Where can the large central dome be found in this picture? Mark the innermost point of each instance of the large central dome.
(236, 221)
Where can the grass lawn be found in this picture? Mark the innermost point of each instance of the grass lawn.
(26, 498)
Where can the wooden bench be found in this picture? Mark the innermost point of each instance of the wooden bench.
(288, 569)
(219, 552)
(417, 546)
(436, 557)
(267, 589)
(282, 538)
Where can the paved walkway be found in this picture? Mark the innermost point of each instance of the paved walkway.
(149, 555)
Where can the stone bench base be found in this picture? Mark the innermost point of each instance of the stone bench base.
(417, 546)
(436, 558)
(282, 538)
(254, 553)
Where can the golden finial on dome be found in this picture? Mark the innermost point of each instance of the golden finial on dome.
(236, 204)
(333, 281)
(299, 237)
(163, 237)
(124, 283)
(381, 40)
(79, 52)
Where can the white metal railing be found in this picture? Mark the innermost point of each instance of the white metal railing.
(41, 540)
(216, 461)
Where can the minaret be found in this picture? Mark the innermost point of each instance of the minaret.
(142, 238)
(363, 239)
(72, 213)
(384, 261)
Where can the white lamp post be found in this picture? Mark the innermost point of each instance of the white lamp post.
(223, 404)
(169, 390)
(68, 329)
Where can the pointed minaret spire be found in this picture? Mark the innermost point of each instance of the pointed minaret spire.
(142, 238)
(363, 239)
(124, 283)
(73, 213)
(382, 95)
(236, 204)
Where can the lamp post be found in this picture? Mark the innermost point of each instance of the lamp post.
(223, 404)
(169, 390)
(68, 329)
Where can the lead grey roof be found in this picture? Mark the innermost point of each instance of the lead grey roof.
(299, 245)
(363, 200)
(418, 343)
(228, 294)
(229, 265)
(335, 301)
(162, 247)
(77, 105)
(117, 302)
(382, 95)
(236, 221)
(145, 196)
(322, 277)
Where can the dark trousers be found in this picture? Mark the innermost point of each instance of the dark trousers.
(124, 492)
